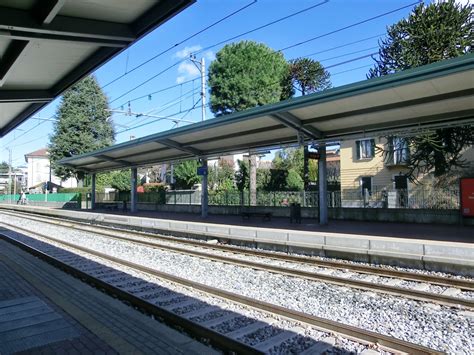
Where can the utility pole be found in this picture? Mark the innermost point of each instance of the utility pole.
(9, 173)
(201, 65)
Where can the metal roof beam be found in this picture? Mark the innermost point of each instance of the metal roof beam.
(23, 23)
(25, 95)
(46, 10)
(294, 122)
(419, 122)
(10, 57)
(172, 144)
(28, 36)
(392, 106)
(113, 160)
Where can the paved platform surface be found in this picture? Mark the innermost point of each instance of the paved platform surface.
(46, 311)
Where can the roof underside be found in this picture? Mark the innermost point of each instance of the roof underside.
(429, 96)
(48, 45)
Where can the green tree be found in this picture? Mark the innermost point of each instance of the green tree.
(242, 175)
(119, 180)
(294, 182)
(221, 177)
(185, 174)
(245, 75)
(431, 33)
(4, 167)
(82, 125)
(308, 76)
(289, 158)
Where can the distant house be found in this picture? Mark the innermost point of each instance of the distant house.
(366, 175)
(363, 166)
(40, 172)
(16, 175)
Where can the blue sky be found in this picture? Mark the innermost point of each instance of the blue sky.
(176, 102)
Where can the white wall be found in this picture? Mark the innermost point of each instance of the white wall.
(38, 171)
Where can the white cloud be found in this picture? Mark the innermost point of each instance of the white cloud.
(186, 51)
(187, 70)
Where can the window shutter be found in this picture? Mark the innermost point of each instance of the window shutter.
(358, 150)
(372, 147)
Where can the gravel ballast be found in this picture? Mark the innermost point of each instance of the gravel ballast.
(442, 328)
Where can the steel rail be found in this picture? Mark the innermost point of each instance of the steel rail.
(337, 280)
(434, 280)
(350, 332)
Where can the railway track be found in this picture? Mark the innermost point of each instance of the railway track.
(226, 329)
(227, 254)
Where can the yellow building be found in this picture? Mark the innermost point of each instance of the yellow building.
(366, 174)
(370, 179)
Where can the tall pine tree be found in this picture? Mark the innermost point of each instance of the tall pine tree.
(434, 32)
(244, 75)
(82, 125)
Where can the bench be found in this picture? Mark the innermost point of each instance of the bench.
(266, 216)
(110, 207)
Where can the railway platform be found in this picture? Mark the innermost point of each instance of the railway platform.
(46, 311)
(444, 248)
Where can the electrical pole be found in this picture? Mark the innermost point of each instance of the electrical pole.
(201, 65)
(9, 171)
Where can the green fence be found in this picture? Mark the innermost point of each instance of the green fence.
(59, 197)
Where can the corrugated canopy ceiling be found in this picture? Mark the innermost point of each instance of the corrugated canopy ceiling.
(48, 45)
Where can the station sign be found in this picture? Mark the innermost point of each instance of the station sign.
(202, 170)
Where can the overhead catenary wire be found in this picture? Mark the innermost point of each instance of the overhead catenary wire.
(221, 42)
(165, 106)
(180, 42)
(350, 26)
(282, 49)
(347, 54)
(304, 56)
(169, 117)
(192, 108)
(158, 91)
(25, 132)
(343, 45)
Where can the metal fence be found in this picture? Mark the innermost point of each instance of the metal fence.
(242, 198)
(378, 197)
(414, 198)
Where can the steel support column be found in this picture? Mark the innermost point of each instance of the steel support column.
(133, 191)
(204, 192)
(93, 192)
(322, 182)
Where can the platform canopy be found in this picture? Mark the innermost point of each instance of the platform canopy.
(48, 45)
(434, 95)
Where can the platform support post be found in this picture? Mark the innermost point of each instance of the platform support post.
(93, 192)
(204, 192)
(323, 190)
(133, 191)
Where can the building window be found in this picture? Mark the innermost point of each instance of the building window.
(399, 153)
(366, 185)
(400, 182)
(365, 149)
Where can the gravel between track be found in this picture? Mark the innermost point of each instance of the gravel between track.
(446, 329)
